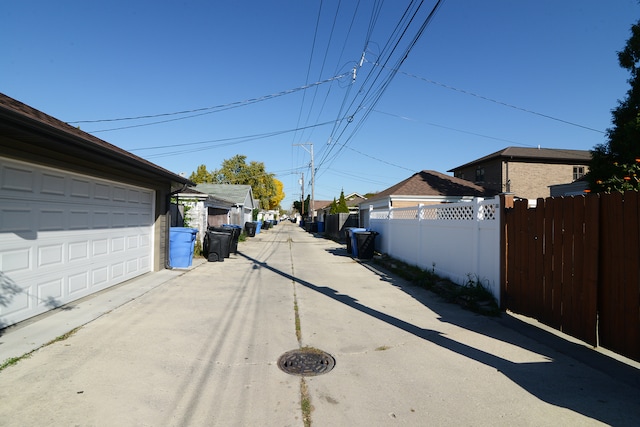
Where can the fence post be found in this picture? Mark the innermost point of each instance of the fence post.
(420, 236)
(388, 230)
(475, 236)
(506, 202)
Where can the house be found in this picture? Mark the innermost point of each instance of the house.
(353, 200)
(425, 187)
(322, 209)
(77, 214)
(526, 172)
(240, 197)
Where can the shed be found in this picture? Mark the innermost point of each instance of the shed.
(241, 197)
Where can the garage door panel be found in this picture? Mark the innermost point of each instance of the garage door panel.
(52, 184)
(16, 178)
(64, 236)
(78, 251)
(51, 219)
(15, 219)
(51, 290)
(78, 282)
(99, 277)
(80, 188)
(50, 255)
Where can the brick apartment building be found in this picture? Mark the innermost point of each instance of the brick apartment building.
(526, 172)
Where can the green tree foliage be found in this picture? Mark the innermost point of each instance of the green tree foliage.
(334, 207)
(342, 204)
(615, 163)
(235, 170)
(201, 176)
(297, 205)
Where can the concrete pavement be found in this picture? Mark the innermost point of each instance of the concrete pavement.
(200, 347)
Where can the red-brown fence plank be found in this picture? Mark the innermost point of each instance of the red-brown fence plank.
(530, 259)
(538, 250)
(580, 310)
(546, 316)
(631, 289)
(611, 234)
(567, 265)
(557, 262)
(591, 266)
(519, 285)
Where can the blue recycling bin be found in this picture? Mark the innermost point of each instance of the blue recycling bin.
(181, 242)
(321, 227)
(351, 238)
(258, 226)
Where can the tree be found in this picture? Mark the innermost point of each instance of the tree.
(274, 201)
(614, 164)
(265, 187)
(297, 205)
(334, 207)
(342, 204)
(235, 170)
(201, 175)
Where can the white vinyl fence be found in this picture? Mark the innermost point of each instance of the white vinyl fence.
(460, 241)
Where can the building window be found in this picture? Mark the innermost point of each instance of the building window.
(480, 175)
(578, 172)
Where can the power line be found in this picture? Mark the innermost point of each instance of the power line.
(454, 129)
(377, 92)
(505, 104)
(223, 142)
(207, 110)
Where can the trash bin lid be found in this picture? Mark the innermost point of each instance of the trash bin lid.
(183, 230)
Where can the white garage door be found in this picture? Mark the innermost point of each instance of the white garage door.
(64, 236)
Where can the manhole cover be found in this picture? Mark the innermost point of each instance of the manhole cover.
(307, 362)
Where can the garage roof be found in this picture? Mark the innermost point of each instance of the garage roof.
(37, 132)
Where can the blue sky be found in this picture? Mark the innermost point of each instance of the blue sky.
(228, 77)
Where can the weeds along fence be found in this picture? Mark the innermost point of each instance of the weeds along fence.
(460, 241)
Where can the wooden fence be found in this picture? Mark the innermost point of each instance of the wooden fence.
(573, 263)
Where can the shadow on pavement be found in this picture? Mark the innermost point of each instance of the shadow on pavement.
(542, 380)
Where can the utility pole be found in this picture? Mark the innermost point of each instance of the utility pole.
(302, 204)
(313, 178)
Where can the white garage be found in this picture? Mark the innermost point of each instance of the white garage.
(64, 235)
(77, 214)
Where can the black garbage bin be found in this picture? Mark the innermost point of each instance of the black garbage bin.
(225, 241)
(212, 247)
(233, 243)
(366, 243)
(237, 230)
(225, 244)
(250, 228)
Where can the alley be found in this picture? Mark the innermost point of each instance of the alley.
(202, 348)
